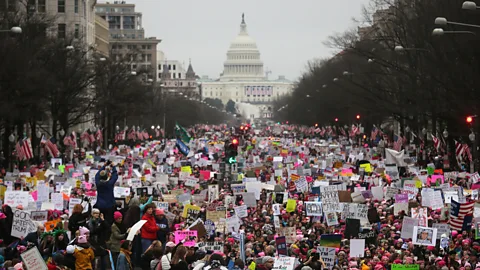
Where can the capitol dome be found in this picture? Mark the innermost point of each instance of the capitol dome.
(243, 59)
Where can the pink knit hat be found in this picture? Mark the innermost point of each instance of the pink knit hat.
(83, 231)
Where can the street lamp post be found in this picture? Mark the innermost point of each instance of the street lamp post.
(15, 30)
(441, 32)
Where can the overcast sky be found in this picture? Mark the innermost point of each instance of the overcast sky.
(288, 33)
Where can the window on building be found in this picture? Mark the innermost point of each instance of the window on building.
(134, 66)
(159, 75)
(128, 22)
(160, 67)
(62, 28)
(149, 57)
(169, 67)
(179, 75)
(76, 6)
(77, 30)
(181, 83)
(174, 75)
(144, 47)
(211, 93)
(149, 47)
(174, 67)
(61, 6)
(236, 93)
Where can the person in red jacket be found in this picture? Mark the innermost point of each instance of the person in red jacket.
(149, 229)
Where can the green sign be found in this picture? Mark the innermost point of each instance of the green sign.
(405, 267)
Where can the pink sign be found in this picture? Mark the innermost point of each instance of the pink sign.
(187, 237)
(206, 175)
(437, 179)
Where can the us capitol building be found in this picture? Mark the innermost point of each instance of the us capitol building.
(244, 80)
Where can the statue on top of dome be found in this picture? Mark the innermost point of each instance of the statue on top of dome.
(243, 18)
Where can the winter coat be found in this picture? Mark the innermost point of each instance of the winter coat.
(163, 229)
(105, 197)
(166, 259)
(83, 258)
(115, 238)
(149, 229)
(98, 234)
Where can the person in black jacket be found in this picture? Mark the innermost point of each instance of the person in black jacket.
(98, 236)
(34, 237)
(78, 219)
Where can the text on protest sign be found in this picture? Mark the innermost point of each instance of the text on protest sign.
(328, 256)
(22, 224)
(313, 208)
(330, 200)
(33, 260)
(187, 236)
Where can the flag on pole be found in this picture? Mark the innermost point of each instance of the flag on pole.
(99, 136)
(436, 143)
(461, 215)
(131, 134)
(182, 133)
(397, 144)
(27, 148)
(74, 139)
(182, 147)
(19, 150)
(466, 149)
(51, 147)
(459, 150)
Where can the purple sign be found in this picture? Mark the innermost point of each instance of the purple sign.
(401, 198)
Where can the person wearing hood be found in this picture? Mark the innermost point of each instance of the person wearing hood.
(83, 254)
(105, 182)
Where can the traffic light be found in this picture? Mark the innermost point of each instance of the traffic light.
(231, 152)
(469, 119)
(358, 116)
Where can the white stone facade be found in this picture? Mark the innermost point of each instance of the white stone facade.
(243, 79)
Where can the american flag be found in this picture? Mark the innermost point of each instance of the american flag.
(67, 141)
(120, 136)
(19, 149)
(466, 149)
(85, 137)
(91, 138)
(397, 144)
(131, 135)
(374, 134)
(99, 136)
(50, 146)
(329, 130)
(461, 216)
(145, 135)
(459, 150)
(436, 143)
(355, 130)
(322, 131)
(74, 139)
(139, 135)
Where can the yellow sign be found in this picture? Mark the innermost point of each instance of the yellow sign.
(187, 169)
(367, 167)
(291, 205)
(189, 207)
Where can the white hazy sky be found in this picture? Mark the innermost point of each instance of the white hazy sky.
(288, 33)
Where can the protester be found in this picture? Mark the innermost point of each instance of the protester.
(83, 254)
(167, 258)
(98, 236)
(105, 181)
(178, 260)
(124, 260)
(150, 228)
(78, 218)
(119, 234)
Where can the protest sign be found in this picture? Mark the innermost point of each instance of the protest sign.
(187, 237)
(133, 231)
(442, 228)
(357, 248)
(421, 214)
(213, 246)
(330, 240)
(281, 245)
(284, 263)
(424, 236)
(32, 260)
(213, 192)
(241, 211)
(16, 198)
(328, 255)
(368, 235)
(330, 200)
(289, 232)
(238, 188)
(407, 227)
(161, 205)
(313, 208)
(22, 224)
(405, 267)
(39, 215)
